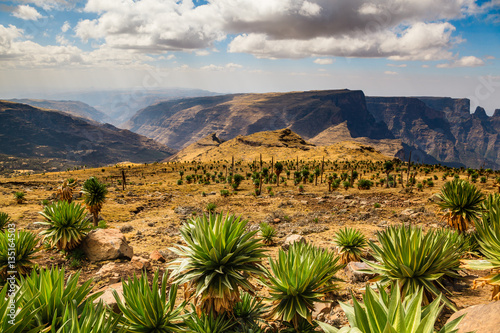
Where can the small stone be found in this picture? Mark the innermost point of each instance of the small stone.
(140, 263)
(276, 220)
(156, 256)
(292, 239)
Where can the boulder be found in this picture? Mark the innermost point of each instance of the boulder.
(479, 318)
(292, 239)
(108, 298)
(106, 244)
(354, 272)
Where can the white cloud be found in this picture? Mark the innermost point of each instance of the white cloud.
(202, 53)
(397, 65)
(469, 61)
(310, 9)
(391, 73)
(420, 41)
(26, 12)
(323, 61)
(17, 51)
(229, 67)
(65, 27)
(398, 29)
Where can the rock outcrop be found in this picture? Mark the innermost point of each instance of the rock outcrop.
(106, 244)
(479, 318)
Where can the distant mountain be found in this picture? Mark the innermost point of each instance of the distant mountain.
(75, 108)
(281, 144)
(179, 123)
(121, 105)
(30, 132)
(442, 127)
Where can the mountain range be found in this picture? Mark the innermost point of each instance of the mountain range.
(434, 129)
(30, 132)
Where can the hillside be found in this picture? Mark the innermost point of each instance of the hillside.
(75, 108)
(29, 132)
(282, 144)
(180, 123)
(442, 127)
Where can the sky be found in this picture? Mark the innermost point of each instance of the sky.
(383, 47)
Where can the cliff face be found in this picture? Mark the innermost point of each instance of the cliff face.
(442, 127)
(26, 131)
(183, 122)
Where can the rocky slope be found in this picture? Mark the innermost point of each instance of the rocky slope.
(75, 108)
(29, 132)
(442, 127)
(281, 144)
(180, 123)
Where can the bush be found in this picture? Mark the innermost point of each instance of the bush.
(211, 207)
(4, 220)
(268, 233)
(364, 184)
(392, 313)
(410, 260)
(25, 249)
(149, 309)
(47, 292)
(179, 181)
(67, 225)
(217, 262)
(20, 197)
(350, 243)
(224, 193)
(299, 278)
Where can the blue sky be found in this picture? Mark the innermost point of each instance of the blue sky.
(384, 47)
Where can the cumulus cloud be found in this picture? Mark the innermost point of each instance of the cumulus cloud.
(397, 65)
(469, 61)
(399, 29)
(421, 41)
(391, 73)
(152, 25)
(202, 53)
(16, 51)
(323, 61)
(26, 12)
(65, 27)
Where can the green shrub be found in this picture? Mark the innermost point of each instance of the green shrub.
(409, 259)
(350, 244)
(217, 262)
(149, 309)
(67, 225)
(268, 233)
(20, 197)
(392, 313)
(364, 184)
(298, 278)
(4, 220)
(211, 207)
(25, 249)
(47, 292)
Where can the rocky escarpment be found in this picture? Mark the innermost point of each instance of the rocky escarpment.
(183, 122)
(442, 127)
(26, 131)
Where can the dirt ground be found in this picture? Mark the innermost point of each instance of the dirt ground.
(152, 207)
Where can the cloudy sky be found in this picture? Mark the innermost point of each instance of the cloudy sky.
(384, 47)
